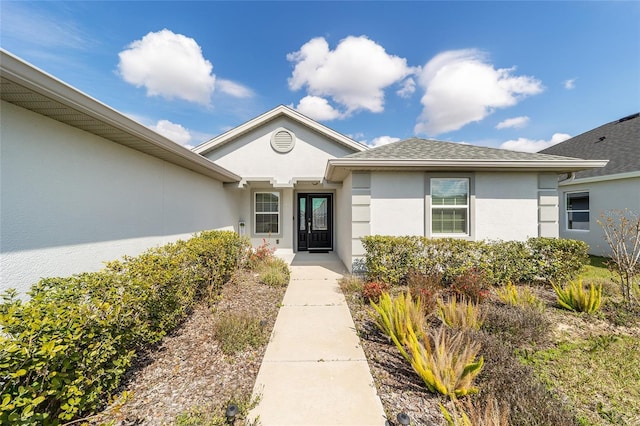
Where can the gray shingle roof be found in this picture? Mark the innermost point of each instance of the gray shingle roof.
(618, 142)
(426, 149)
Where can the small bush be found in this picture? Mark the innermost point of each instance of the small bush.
(445, 362)
(575, 298)
(428, 287)
(461, 315)
(275, 273)
(516, 326)
(260, 255)
(522, 297)
(351, 283)
(515, 385)
(556, 259)
(399, 317)
(372, 291)
(471, 284)
(238, 332)
(468, 413)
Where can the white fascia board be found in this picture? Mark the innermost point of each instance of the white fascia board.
(14, 69)
(280, 110)
(618, 176)
(338, 168)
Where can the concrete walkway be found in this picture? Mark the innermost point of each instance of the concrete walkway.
(314, 371)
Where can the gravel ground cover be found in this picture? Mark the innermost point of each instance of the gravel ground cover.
(188, 371)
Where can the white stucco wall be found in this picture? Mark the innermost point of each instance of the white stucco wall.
(251, 155)
(397, 203)
(72, 200)
(343, 221)
(603, 196)
(506, 206)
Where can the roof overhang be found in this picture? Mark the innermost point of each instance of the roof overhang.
(28, 87)
(279, 111)
(337, 169)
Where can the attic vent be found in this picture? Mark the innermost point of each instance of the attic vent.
(283, 140)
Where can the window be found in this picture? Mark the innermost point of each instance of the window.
(267, 212)
(450, 206)
(578, 210)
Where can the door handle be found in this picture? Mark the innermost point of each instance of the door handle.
(309, 226)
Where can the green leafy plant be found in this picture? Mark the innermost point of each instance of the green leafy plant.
(514, 296)
(575, 298)
(446, 362)
(462, 314)
(66, 349)
(399, 317)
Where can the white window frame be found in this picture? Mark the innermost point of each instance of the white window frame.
(256, 213)
(569, 211)
(466, 207)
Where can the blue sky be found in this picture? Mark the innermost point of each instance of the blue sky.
(519, 75)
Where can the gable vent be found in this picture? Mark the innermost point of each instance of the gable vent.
(283, 140)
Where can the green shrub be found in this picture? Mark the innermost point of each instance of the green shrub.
(575, 298)
(64, 350)
(275, 272)
(390, 259)
(238, 332)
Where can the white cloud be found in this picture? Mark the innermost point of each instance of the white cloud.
(382, 140)
(407, 89)
(461, 87)
(234, 89)
(570, 84)
(515, 123)
(173, 131)
(353, 76)
(317, 108)
(531, 145)
(169, 65)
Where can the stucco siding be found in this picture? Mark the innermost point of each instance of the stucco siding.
(603, 196)
(251, 155)
(72, 200)
(397, 203)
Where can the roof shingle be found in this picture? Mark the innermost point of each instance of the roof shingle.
(618, 142)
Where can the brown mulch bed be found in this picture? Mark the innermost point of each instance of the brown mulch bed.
(188, 371)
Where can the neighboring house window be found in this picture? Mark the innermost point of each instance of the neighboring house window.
(578, 210)
(267, 212)
(450, 206)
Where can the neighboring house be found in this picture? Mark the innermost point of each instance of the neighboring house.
(82, 184)
(586, 195)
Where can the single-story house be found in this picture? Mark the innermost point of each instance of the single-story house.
(585, 195)
(82, 184)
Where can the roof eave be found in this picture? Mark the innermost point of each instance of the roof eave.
(337, 169)
(272, 114)
(13, 69)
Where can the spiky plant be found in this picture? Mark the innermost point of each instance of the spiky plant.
(514, 296)
(397, 317)
(574, 297)
(446, 362)
(463, 315)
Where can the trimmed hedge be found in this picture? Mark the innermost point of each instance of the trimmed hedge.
(65, 350)
(390, 259)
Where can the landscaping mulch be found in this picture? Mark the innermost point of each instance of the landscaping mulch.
(188, 371)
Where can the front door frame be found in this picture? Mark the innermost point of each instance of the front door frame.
(313, 240)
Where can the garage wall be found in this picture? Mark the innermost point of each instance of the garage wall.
(72, 200)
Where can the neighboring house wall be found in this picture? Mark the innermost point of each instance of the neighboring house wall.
(604, 195)
(72, 200)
